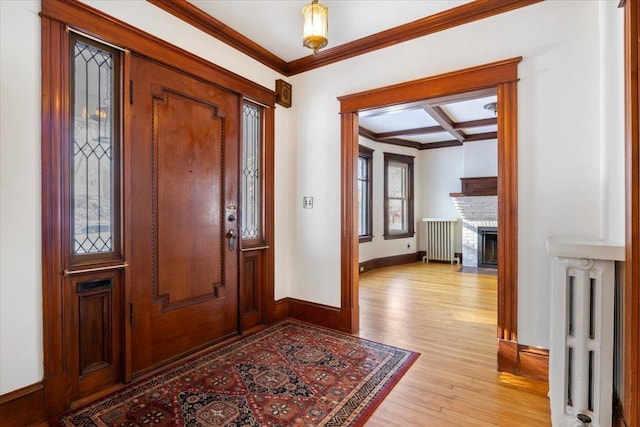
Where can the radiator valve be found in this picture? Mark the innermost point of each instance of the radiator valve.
(584, 419)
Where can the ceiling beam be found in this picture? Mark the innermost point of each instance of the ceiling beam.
(393, 141)
(435, 129)
(408, 132)
(481, 136)
(424, 145)
(443, 120)
(441, 144)
(476, 123)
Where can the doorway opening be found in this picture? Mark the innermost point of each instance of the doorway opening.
(502, 77)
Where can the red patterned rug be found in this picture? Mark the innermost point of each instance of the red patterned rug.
(291, 374)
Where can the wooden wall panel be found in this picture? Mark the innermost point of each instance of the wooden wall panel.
(95, 319)
(252, 282)
(96, 330)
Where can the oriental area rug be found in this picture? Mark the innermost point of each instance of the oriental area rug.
(291, 374)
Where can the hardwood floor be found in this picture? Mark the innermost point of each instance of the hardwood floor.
(450, 318)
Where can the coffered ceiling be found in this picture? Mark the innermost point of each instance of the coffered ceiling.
(434, 123)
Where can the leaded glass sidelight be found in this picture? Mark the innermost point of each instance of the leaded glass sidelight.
(93, 177)
(251, 212)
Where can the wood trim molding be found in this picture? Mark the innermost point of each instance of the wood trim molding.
(318, 314)
(472, 79)
(96, 23)
(454, 17)
(523, 360)
(210, 25)
(533, 362)
(25, 406)
(388, 261)
(508, 210)
(631, 339)
(54, 108)
(501, 76)
(349, 242)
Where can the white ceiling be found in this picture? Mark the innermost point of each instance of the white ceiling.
(277, 26)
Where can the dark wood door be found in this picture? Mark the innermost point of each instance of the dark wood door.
(182, 165)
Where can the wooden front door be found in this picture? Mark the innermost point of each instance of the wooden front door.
(182, 163)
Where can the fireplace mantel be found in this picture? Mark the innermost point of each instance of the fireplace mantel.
(478, 186)
(477, 204)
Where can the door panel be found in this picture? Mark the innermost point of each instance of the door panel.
(183, 274)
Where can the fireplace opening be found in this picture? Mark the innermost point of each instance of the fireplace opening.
(488, 247)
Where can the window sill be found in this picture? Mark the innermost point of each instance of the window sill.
(398, 236)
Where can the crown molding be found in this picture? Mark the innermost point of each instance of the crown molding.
(193, 15)
(450, 18)
(468, 12)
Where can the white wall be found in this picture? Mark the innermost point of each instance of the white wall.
(20, 210)
(20, 235)
(612, 128)
(560, 147)
(441, 171)
(559, 135)
(480, 158)
(378, 247)
(437, 174)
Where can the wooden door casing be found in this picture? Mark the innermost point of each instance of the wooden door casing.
(183, 273)
(53, 395)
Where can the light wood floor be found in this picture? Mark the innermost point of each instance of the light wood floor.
(450, 318)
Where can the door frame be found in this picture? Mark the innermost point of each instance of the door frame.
(56, 16)
(503, 77)
(631, 317)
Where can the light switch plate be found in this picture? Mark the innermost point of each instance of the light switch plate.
(307, 202)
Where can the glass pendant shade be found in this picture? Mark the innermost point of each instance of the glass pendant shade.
(315, 26)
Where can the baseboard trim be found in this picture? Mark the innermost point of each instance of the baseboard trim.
(25, 406)
(523, 360)
(507, 356)
(390, 260)
(318, 314)
(533, 362)
(280, 310)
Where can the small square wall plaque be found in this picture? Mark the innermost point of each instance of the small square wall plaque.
(283, 93)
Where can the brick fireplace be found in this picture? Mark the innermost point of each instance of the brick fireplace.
(478, 207)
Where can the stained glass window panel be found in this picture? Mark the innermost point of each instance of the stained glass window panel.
(251, 171)
(92, 156)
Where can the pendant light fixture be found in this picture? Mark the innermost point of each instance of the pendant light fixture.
(315, 27)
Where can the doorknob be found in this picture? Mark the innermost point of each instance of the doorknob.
(232, 236)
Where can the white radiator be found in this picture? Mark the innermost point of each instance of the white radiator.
(439, 243)
(581, 354)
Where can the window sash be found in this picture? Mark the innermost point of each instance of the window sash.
(94, 159)
(398, 196)
(251, 174)
(365, 194)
